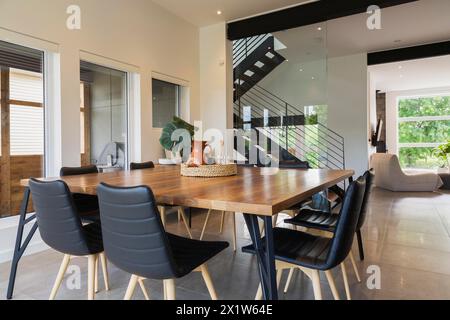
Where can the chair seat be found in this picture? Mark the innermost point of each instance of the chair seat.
(190, 254)
(315, 219)
(299, 248)
(87, 207)
(94, 240)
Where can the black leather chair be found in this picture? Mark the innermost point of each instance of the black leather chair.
(136, 242)
(141, 165)
(162, 209)
(326, 221)
(61, 228)
(313, 253)
(86, 204)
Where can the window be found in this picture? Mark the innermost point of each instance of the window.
(22, 122)
(103, 117)
(423, 124)
(166, 102)
(26, 113)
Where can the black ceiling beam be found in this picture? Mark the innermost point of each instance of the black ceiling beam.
(303, 15)
(409, 53)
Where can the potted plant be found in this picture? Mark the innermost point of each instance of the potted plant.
(166, 136)
(442, 152)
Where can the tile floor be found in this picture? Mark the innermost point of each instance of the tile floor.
(407, 235)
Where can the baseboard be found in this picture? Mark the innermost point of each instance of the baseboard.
(8, 231)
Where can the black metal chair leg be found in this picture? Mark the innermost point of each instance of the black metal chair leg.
(20, 248)
(360, 244)
(265, 255)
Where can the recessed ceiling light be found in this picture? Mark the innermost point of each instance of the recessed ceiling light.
(319, 28)
(301, 70)
(312, 78)
(400, 67)
(219, 12)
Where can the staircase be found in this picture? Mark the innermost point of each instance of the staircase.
(297, 138)
(253, 59)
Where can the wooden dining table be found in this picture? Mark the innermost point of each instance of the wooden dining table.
(257, 193)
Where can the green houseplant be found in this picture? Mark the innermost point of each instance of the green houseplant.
(442, 152)
(166, 136)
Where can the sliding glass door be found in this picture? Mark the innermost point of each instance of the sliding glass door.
(22, 122)
(103, 117)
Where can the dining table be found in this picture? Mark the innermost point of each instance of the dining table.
(257, 193)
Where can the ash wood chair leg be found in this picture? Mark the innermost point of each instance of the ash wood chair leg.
(233, 217)
(345, 278)
(185, 221)
(316, 284)
(355, 268)
(274, 220)
(205, 224)
(104, 270)
(170, 289)
(289, 279)
(144, 290)
(332, 284)
(96, 275)
(131, 286)
(164, 290)
(91, 276)
(60, 276)
(222, 220)
(162, 212)
(208, 282)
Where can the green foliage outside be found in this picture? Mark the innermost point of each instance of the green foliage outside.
(423, 131)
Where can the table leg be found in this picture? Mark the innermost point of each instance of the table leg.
(265, 254)
(20, 247)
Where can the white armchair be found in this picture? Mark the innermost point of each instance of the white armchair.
(390, 176)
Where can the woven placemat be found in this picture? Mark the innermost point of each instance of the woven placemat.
(208, 171)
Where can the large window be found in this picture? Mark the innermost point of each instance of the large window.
(423, 124)
(166, 102)
(103, 117)
(22, 122)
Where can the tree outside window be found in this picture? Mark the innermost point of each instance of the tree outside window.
(424, 124)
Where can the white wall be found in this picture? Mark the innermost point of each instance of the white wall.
(392, 99)
(216, 78)
(136, 33)
(347, 107)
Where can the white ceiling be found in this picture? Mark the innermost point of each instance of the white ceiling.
(412, 75)
(204, 12)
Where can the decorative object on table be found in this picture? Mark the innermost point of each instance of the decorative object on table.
(171, 162)
(442, 153)
(198, 148)
(192, 169)
(166, 136)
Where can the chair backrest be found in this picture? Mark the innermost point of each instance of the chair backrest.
(346, 226)
(369, 177)
(73, 171)
(57, 218)
(142, 165)
(133, 235)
